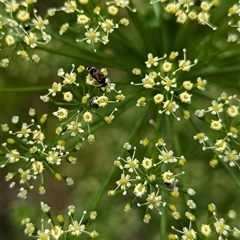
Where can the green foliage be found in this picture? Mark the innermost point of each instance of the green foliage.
(120, 119)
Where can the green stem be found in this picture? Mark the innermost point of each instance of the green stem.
(129, 47)
(163, 220)
(141, 29)
(81, 53)
(178, 150)
(164, 41)
(181, 34)
(103, 189)
(24, 89)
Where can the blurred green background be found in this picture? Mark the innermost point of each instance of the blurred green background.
(96, 160)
